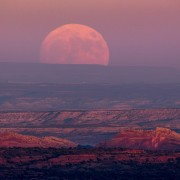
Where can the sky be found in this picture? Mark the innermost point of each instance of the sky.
(138, 32)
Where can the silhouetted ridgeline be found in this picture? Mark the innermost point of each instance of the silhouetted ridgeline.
(89, 164)
(49, 73)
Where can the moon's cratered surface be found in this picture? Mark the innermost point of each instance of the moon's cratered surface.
(74, 44)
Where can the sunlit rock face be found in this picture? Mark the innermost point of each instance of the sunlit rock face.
(159, 139)
(10, 139)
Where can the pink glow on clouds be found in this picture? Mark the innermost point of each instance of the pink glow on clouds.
(139, 32)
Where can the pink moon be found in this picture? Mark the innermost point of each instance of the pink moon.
(74, 44)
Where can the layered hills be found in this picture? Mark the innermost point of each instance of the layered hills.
(145, 118)
(159, 139)
(87, 127)
(10, 139)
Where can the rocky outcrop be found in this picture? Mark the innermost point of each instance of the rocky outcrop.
(160, 139)
(10, 139)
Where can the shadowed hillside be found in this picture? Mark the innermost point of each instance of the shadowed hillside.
(84, 163)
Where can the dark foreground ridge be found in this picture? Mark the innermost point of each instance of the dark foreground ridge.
(88, 163)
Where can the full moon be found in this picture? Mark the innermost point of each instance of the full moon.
(74, 44)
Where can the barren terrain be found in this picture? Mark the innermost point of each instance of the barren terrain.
(88, 127)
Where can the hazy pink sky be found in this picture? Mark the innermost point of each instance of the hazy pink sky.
(138, 32)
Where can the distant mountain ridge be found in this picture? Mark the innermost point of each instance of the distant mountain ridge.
(56, 73)
(160, 139)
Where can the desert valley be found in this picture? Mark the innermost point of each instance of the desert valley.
(90, 144)
(88, 127)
